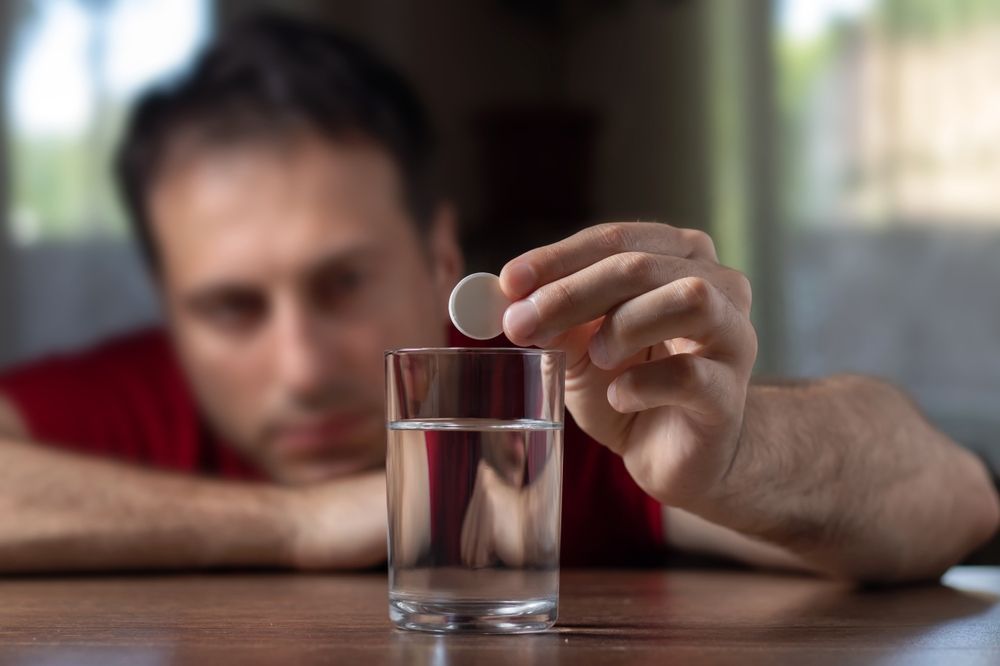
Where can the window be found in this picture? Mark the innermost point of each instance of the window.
(890, 111)
(73, 68)
(889, 137)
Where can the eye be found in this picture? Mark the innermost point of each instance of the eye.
(234, 311)
(337, 287)
(347, 280)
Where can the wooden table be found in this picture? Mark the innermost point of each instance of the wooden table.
(617, 617)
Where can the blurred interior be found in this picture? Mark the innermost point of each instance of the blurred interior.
(844, 153)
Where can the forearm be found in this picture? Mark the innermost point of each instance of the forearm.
(63, 511)
(847, 475)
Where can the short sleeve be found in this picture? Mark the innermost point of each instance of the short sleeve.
(123, 400)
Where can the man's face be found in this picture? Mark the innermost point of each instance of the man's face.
(287, 270)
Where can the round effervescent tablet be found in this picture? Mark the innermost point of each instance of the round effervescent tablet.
(477, 305)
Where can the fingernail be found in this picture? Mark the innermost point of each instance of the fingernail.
(519, 277)
(521, 319)
(616, 402)
(613, 395)
(599, 352)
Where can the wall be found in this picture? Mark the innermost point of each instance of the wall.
(636, 63)
(641, 65)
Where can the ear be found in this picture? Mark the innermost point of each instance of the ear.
(447, 261)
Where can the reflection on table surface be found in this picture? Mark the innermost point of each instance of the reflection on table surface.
(637, 616)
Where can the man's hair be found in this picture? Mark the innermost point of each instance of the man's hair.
(268, 77)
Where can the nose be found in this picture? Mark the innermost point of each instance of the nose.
(302, 350)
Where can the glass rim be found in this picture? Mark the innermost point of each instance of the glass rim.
(513, 351)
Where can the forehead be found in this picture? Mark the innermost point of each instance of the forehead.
(259, 208)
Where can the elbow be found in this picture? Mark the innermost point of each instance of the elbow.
(981, 518)
(902, 564)
(987, 521)
(977, 525)
(994, 521)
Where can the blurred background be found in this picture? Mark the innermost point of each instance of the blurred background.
(844, 153)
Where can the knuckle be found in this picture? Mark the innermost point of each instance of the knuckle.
(613, 235)
(745, 338)
(616, 323)
(615, 334)
(687, 371)
(738, 334)
(700, 241)
(551, 258)
(696, 294)
(741, 288)
(753, 345)
(637, 265)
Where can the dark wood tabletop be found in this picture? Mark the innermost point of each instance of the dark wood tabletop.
(606, 616)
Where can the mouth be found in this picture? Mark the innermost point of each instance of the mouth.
(320, 436)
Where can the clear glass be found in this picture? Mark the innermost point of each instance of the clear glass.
(474, 482)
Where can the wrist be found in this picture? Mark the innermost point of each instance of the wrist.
(285, 522)
(234, 524)
(747, 475)
(299, 509)
(337, 524)
(265, 530)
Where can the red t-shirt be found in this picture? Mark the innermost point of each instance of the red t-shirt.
(128, 400)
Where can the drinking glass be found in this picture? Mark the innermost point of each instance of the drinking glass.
(474, 488)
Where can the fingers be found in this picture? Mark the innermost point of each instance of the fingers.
(690, 308)
(598, 288)
(545, 264)
(702, 385)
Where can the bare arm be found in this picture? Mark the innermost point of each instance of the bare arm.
(846, 477)
(63, 511)
(686, 532)
(844, 474)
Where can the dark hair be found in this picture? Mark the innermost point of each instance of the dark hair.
(268, 76)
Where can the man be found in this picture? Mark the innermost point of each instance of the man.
(281, 194)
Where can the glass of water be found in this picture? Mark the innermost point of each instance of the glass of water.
(474, 481)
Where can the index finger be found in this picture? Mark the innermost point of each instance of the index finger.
(548, 263)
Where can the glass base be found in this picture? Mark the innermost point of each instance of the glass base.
(484, 617)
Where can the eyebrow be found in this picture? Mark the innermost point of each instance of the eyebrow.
(330, 262)
(338, 260)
